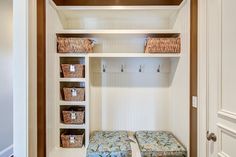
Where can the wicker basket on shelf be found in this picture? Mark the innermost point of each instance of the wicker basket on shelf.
(73, 70)
(74, 94)
(73, 117)
(72, 141)
(74, 45)
(163, 45)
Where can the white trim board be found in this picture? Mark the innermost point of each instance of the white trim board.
(7, 152)
(20, 78)
(202, 78)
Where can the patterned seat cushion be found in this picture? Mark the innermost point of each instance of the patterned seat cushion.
(109, 144)
(159, 144)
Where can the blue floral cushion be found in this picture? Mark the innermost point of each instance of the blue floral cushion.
(109, 144)
(159, 144)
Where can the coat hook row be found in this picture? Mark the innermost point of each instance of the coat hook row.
(123, 67)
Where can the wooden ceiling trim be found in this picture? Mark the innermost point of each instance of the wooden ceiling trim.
(116, 2)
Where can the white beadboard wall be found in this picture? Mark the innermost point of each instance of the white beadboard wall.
(115, 19)
(130, 100)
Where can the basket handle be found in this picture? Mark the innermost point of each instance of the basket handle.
(72, 68)
(73, 115)
(72, 139)
(73, 92)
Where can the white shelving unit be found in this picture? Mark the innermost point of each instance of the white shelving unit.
(84, 104)
(116, 100)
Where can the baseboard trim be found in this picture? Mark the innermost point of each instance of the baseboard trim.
(7, 152)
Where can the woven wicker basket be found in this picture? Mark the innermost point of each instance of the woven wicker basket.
(73, 70)
(74, 94)
(72, 141)
(163, 45)
(73, 117)
(74, 45)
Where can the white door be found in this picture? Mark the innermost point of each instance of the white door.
(221, 77)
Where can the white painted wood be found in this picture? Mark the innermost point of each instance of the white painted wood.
(202, 78)
(218, 78)
(72, 79)
(118, 31)
(131, 94)
(25, 141)
(129, 100)
(20, 77)
(180, 81)
(120, 17)
(138, 55)
(109, 55)
(7, 152)
(54, 100)
(228, 85)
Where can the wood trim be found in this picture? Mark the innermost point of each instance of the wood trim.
(193, 76)
(115, 2)
(41, 78)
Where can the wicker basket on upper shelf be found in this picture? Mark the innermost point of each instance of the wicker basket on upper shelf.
(74, 45)
(74, 94)
(73, 70)
(163, 45)
(71, 140)
(73, 117)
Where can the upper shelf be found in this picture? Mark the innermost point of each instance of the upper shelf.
(122, 55)
(93, 32)
(115, 2)
(118, 16)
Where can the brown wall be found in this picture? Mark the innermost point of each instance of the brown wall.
(117, 2)
(193, 78)
(41, 78)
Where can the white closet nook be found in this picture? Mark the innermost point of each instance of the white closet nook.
(125, 88)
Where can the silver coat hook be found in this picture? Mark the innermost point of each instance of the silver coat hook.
(122, 68)
(140, 68)
(159, 68)
(103, 68)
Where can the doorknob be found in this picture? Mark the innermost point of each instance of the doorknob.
(211, 137)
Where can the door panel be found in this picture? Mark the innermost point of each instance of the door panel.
(228, 56)
(221, 77)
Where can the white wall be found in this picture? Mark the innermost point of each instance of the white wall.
(6, 82)
(20, 76)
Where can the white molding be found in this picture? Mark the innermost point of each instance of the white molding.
(118, 31)
(202, 78)
(7, 152)
(224, 129)
(227, 130)
(222, 154)
(227, 114)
